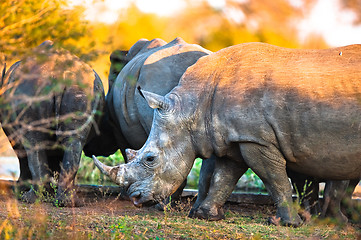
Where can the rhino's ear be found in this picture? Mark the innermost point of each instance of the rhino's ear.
(154, 100)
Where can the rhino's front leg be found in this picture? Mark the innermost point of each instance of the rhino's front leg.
(225, 176)
(269, 164)
(66, 193)
(204, 182)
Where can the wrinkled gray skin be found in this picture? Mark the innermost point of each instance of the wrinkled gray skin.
(47, 90)
(154, 65)
(253, 105)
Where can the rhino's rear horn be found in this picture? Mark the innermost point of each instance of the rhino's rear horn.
(131, 154)
(154, 100)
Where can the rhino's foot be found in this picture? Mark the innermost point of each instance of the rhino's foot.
(279, 221)
(192, 212)
(210, 214)
(174, 204)
(286, 216)
(305, 215)
(338, 216)
(67, 200)
(29, 196)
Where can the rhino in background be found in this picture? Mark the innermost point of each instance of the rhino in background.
(154, 65)
(50, 104)
(253, 105)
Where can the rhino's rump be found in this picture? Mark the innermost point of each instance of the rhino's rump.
(52, 94)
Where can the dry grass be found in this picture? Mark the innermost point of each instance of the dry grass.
(111, 218)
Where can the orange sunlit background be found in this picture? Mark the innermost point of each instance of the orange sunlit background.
(92, 29)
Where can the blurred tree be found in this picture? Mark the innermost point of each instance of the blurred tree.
(132, 25)
(239, 21)
(354, 5)
(26, 23)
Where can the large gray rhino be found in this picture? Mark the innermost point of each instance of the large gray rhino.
(155, 66)
(49, 104)
(253, 105)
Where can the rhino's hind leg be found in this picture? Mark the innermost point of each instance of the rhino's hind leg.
(224, 179)
(38, 169)
(66, 192)
(349, 207)
(268, 163)
(307, 189)
(334, 193)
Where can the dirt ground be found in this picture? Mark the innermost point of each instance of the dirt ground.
(105, 215)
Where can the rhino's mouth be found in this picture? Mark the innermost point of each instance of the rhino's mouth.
(141, 199)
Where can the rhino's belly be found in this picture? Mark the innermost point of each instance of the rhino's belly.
(329, 154)
(329, 167)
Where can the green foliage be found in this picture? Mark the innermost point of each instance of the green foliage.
(25, 24)
(250, 181)
(192, 179)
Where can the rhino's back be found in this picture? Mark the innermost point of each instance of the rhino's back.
(305, 102)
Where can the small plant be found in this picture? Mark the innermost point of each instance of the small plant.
(302, 195)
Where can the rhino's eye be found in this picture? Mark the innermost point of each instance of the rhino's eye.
(149, 159)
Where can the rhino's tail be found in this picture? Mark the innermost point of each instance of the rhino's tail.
(3, 75)
(99, 99)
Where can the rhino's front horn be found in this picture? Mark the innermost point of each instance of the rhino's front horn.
(111, 172)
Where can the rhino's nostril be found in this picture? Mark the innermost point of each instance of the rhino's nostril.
(135, 194)
(135, 198)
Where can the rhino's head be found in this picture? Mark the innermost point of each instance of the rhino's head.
(163, 163)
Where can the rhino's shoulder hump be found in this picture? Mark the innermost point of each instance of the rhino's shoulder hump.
(177, 41)
(143, 45)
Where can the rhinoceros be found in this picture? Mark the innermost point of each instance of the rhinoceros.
(155, 66)
(253, 105)
(49, 106)
(111, 137)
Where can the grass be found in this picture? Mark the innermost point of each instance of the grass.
(107, 217)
